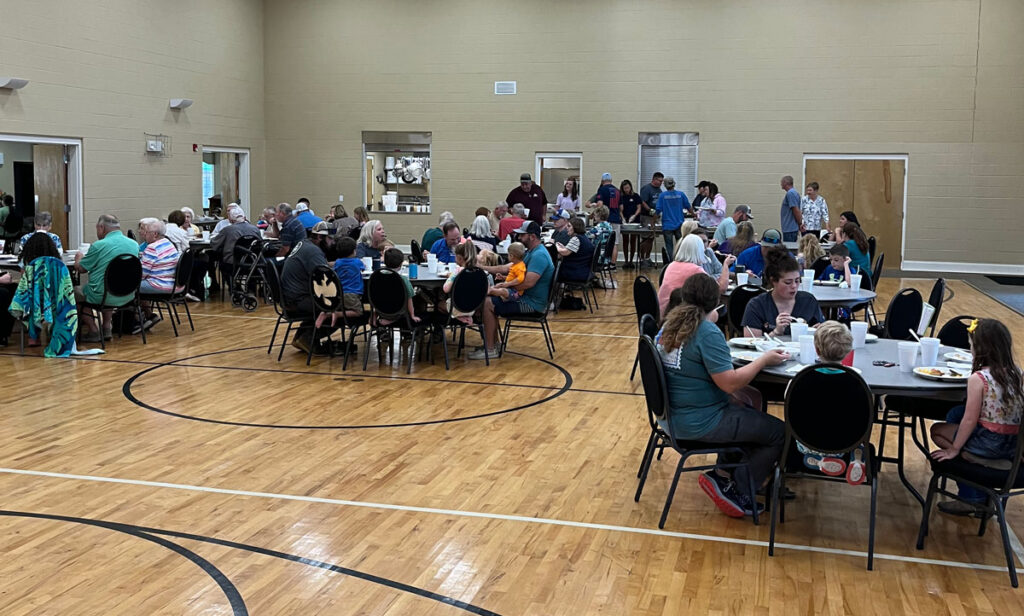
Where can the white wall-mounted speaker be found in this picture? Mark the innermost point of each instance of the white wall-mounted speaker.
(181, 103)
(13, 83)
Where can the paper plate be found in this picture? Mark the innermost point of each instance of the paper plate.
(960, 356)
(941, 373)
(743, 343)
(745, 356)
(828, 283)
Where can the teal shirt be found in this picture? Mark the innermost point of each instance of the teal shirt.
(860, 263)
(429, 237)
(98, 258)
(695, 402)
(538, 261)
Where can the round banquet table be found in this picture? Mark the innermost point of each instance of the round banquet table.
(425, 279)
(881, 380)
(827, 296)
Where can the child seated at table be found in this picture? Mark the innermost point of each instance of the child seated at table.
(487, 258)
(516, 274)
(838, 269)
(833, 341)
(465, 259)
(350, 271)
(393, 259)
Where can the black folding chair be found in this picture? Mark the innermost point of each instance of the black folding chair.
(121, 278)
(872, 247)
(902, 316)
(876, 275)
(328, 294)
(738, 300)
(820, 266)
(649, 329)
(606, 265)
(469, 292)
(999, 485)
(416, 253)
(176, 297)
(645, 302)
(284, 315)
(834, 428)
(586, 286)
(386, 292)
(535, 320)
(652, 375)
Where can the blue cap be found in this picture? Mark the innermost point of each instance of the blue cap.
(606, 176)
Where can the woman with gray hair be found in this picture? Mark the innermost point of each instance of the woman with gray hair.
(689, 260)
(159, 262)
(480, 233)
(43, 221)
(373, 241)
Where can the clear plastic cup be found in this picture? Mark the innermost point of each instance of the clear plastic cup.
(929, 351)
(855, 281)
(859, 329)
(807, 280)
(742, 278)
(908, 355)
(796, 330)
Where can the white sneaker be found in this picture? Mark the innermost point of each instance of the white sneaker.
(191, 298)
(479, 354)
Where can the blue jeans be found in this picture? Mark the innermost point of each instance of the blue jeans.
(670, 242)
(790, 236)
(966, 492)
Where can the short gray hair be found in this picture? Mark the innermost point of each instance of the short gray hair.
(519, 210)
(43, 219)
(236, 214)
(445, 217)
(108, 221)
(501, 204)
(154, 224)
(189, 211)
(284, 208)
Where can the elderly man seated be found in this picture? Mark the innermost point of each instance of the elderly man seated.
(533, 291)
(111, 243)
(159, 264)
(43, 221)
(222, 224)
(224, 242)
(295, 275)
(512, 222)
(444, 246)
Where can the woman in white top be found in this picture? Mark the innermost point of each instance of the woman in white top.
(188, 227)
(569, 200)
(814, 210)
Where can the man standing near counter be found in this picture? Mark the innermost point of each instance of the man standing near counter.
(532, 198)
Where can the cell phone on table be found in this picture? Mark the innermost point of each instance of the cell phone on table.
(883, 363)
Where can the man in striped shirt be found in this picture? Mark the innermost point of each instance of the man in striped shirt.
(159, 260)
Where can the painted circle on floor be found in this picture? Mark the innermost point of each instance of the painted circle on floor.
(231, 390)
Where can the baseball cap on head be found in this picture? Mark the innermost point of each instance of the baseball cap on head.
(321, 228)
(771, 237)
(746, 210)
(528, 226)
(560, 213)
(525, 178)
(606, 176)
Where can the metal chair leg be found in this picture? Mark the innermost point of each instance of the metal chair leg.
(926, 511)
(871, 522)
(1011, 568)
(284, 340)
(777, 485)
(671, 492)
(273, 336)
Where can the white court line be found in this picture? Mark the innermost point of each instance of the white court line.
(507, 518)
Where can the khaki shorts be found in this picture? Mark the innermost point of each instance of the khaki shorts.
(352, 301)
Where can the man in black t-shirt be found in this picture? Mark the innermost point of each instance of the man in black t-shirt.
(295, 294)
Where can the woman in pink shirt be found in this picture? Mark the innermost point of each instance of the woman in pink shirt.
(713, 216)
(689, 261)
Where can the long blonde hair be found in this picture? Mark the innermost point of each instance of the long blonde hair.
(811, 248)
(743, 239)
(700, 296)
(688, 227)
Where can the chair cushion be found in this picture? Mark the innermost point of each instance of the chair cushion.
(982, 475)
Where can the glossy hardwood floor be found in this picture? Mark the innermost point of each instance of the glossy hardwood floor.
(199, 475)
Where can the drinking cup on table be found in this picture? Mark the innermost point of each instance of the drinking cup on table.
(808, 355)
(206, 236)
(742, 278)
(796, 330)
(859, 329)
(929, 351)
(907, 355)
(414, 270)
(367, 263)
(855, 280)
(807, 280)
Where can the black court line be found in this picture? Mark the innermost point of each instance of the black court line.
(230, 592)
(148, 533)
(127, 391)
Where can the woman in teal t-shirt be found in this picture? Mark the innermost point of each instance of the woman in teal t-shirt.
(852, 236)
(710, 401)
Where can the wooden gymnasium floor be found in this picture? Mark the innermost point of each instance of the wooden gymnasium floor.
(199, 475)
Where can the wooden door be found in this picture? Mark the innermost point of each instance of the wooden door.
(835, 184)
(878, 203)
(50, 175)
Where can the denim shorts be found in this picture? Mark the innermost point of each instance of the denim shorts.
(984, 442)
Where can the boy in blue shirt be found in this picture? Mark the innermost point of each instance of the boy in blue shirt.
(350, 271)
(839, 268)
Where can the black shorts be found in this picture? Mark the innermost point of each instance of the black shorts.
(511, 307)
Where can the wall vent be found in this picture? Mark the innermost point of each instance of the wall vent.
(504, 87)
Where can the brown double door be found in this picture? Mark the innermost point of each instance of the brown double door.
(870, 188)
(51, 184)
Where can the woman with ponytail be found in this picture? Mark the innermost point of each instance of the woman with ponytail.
(712, 402)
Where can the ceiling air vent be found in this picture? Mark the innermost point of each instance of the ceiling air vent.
(504, 87)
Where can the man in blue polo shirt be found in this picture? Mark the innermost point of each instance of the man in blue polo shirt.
(671, 205)
(790, 213)
(305, 215)
(534, 290)
(753, 258)
(443, 247)
(292, 232)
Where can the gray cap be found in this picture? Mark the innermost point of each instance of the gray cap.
(771, 237)
(670, 183)
(746, 210)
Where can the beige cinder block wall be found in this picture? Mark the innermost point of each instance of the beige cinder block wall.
(104, 71)
(763, 83)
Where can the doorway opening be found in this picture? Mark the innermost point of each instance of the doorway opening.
(225, 177)
(552, 169)
(44, 174)
(872, 186)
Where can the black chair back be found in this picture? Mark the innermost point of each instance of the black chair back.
(903, 315)
(872, 245)
(935, 298)
(838, 425)
(553, 289)
(645, 299)
(876, 272)
(553, 252)
(417, 252)
(738, 301)
(183, 271)
(273, 278)
(652, 375)
(325, 289)
(386, 292)
(954, 332)
(820, 266)
(123, 276)
(867, 282)
(609, 247)
(648, 326)
(469, 290)
(661, 275)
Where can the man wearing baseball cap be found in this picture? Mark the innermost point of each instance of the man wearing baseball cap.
(727, 228)
(755, 256)
(540, 272)
(532, 198)
(561, 219)
(608, 196)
